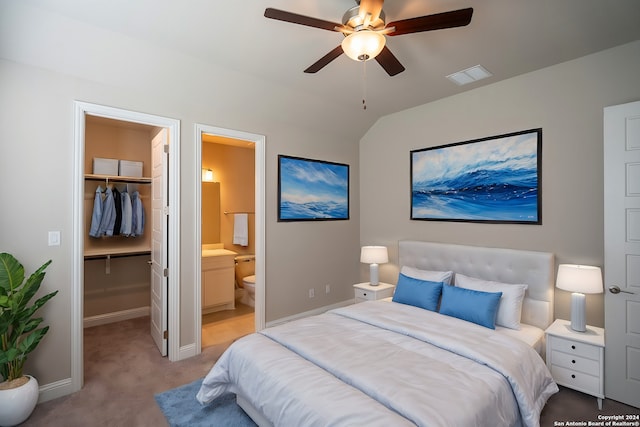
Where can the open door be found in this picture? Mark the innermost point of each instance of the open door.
(159, 240)
(622, 252)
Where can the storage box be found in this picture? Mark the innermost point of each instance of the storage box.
(105, 166)
(130, 168)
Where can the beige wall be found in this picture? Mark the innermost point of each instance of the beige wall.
(39, 81)
(566, 101)
(121, 285)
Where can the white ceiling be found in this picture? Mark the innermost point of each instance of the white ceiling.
(507, 37)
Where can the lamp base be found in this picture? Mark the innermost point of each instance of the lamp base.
(578, 316)
(373, 274)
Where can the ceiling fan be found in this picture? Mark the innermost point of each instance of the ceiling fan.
(364, 29)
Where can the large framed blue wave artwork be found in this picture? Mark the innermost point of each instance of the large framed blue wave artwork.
(312, 190)
(489, 180)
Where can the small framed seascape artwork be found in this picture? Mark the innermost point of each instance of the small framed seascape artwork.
(490, 180)
(312, 190)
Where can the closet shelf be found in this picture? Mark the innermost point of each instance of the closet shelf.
(129, 179)
(114, 252)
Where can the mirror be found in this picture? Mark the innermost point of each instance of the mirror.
(211, 213)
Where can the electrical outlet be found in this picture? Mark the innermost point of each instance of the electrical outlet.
(312, 293)
(327, 289)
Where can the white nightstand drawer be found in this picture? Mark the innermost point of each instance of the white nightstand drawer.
(576, 380)
(368, 292)
(569, 346)
(577, 363)
(576, 359)
(363, 294)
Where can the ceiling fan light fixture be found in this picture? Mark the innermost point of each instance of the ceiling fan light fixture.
(363, 45)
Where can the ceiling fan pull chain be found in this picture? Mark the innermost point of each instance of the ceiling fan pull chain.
(364, 85)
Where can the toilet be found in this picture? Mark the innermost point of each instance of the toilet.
(246, 278)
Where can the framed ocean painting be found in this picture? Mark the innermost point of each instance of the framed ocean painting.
(491, 180)
(312, 190)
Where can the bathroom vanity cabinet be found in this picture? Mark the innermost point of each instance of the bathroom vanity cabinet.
(218, 277)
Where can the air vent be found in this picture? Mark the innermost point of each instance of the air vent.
(470, 75)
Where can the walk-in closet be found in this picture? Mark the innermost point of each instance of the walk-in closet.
(118, 220)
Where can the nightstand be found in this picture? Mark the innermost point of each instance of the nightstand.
(366, 292)
(576, 359)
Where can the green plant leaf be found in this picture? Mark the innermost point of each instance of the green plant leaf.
(19, 333)
(31, 341)
(31, 324)
(26, 313)
(9, 355)
(32, 284)
(11, 273)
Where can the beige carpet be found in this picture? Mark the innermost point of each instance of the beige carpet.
(123, 370)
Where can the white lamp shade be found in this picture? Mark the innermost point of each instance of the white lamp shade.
(363, 45)
(374, 255)
(579, 278)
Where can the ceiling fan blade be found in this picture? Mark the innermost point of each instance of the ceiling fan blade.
(389, 62)
(325, 60)
(438, 21)
(294, 18)
(372, 8)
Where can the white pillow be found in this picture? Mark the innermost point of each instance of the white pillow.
(510, 307)
(432, 276)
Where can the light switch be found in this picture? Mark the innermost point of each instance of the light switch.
(54, 238)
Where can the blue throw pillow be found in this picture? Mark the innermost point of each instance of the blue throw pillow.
(419, 293)
(470, 305)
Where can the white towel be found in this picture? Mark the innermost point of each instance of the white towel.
(241, 229)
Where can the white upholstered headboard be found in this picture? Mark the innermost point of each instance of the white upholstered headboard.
(536, 269)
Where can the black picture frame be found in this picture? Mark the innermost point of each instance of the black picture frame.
(496, 179)
(312, 190)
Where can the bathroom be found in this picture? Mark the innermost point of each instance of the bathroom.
(228, 197)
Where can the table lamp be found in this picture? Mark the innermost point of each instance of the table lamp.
(579, 279)
(374, 255)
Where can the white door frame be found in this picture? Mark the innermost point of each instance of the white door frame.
(77, 306)
(259, 141)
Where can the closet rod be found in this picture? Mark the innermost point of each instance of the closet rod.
(238, 212)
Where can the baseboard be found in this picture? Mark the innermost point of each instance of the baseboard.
(116, 316)
(313, 312)
(55, 390)
(186, 351)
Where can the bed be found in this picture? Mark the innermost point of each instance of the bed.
(406, 361)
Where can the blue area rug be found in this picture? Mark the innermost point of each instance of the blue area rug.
(180, 408)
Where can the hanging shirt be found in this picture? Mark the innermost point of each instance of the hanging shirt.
(140, 223)
(117, 199)
(137, 217)
(108, 214)
(125, 228)
(96, 216)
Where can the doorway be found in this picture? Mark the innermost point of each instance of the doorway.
(239, 145)
(161, 266)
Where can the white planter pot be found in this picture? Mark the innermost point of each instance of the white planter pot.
(17, 404)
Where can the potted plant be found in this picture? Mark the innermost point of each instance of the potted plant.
(20, 333)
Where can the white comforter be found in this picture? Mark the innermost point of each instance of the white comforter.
(384, 364)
